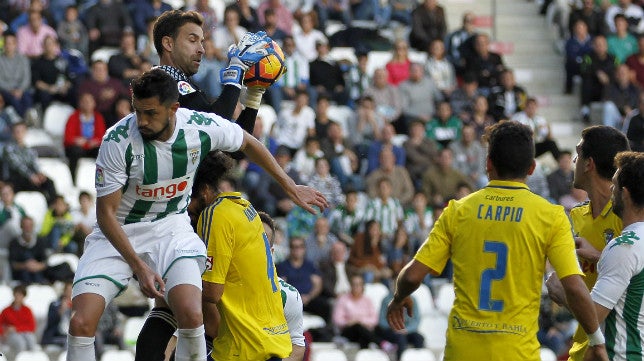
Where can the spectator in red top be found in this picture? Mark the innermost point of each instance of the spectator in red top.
(83, 133)
(398, 66)
(17, 323)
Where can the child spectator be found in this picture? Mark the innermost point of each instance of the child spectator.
(17, 323)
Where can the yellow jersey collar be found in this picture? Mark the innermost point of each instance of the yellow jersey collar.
(507, 185)
(605, 212)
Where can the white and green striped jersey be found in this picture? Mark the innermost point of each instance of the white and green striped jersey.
(293, 308)
(620, 288)
(156, 177)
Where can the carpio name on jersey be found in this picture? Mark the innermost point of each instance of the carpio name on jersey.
(490, 212)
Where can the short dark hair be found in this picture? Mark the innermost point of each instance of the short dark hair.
(602, 143)
(213, 168)
(511, 149)
(155, 83)
(631, 175)
(267, 220)
(168, 24)
(20, 289)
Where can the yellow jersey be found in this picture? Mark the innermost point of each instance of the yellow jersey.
(598, 231)
(498, 239)
(253, 326)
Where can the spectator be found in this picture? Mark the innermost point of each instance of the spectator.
(508, 98)
(421, 152)
(470, 157)
(17, 323)
(305, 158)
(110, 330)
(58, 227)
(10, 215)
(248, 16)
(398, 68)
(543, 138)
(573, 199)
(440, 69)
(72, 32)
(319, 242)
(142, 10)
(284, 15)
(578, 45)
(560, 180)
(84, 218)
(366, 258)
(84, 131)
(325, 76)
(326, 183)
(463, 98)
(335, 274)
(210, 21)
(387, 98)
(538, 183)
(22, 18)
(106, 31)
(633, 13)
(21, 166)
(440, 183)
(356, 78)
(305, 277)
(621, 44)
(401, 340)
(370, 124)
(28, 255)
(480, 118)
(294, 125)
(459, 43)
(634, 127)
(355, 315)
(15, 76)
(597, 70)
(31, 37)
(296, 78)
(50, 76)
(591, 15)
(427, 23)
(271, 28)
(399, 179)
(484, 64)
(125, 65)
(620, 97)
(445, 127)
(276, 201)
(8, 117)
(395, 10)
(58, 318)
(387, 210)
(106, 91)
(419, 220)
(322, 120)
(207, 77)
(386, 141)
(346, 219)
(419, 95)
(228, 34)
(333, 9)
(635, 63)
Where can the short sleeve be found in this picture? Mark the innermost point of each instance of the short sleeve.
(293, 309)
(436, 250)
(561, 249)
(617, 265)
(110, 166)
(220, 237)
(224, 134)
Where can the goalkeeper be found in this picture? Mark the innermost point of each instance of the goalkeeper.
(178, 39)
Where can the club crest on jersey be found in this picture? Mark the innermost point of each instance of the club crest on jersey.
(609, 234)
(99, 178)
(194, 155)
(185, 88)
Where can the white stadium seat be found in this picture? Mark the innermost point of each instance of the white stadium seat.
(38, 299)
(268, 115)
(131, 331)
(548, 355)
(6, 296)
(34, 204)
(85, 175)
(376, 292)
(328, 355)
(32, 356)
(104, 54)
(371, 355)
(417, 354)
(58, 171)
(445, 298)
(312, 321)
(377, 59)
(58, 258)
(55, 118)
(423, 297)
(434, 329)
(117, 355)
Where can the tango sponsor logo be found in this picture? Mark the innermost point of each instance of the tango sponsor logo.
(163, 190)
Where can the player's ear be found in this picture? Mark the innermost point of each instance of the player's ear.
(174, 107)
(532, 167)
(167, 43)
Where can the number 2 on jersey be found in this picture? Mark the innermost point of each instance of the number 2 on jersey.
(493, 274)
(270, 268)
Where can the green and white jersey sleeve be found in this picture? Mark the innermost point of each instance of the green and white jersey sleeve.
(293, 310)
(620, 288)
(156, 177)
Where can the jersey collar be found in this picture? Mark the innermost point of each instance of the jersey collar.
(507, 185)
(234, 195)
(175, 73)
(608, 208)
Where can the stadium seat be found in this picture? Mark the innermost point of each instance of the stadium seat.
(416, 56)
(58, 171)
(376, 292)
(417, 354)
(434, 329)
(62, 356)
(104, 54)
(37, 137)
(445, 298)
(371, 355)
(220, 7)
(32, 356)
(131, 330)
(423, 297)
(117, 355)
(548, 355)
(377, 59)
(312, 321)
(58, 258)
(38, 299)
(85, 175)
(328, 355)
(340, 53)
(55, 119)
(268, 117)
(34, 204)
(6, 296)
(342, 115)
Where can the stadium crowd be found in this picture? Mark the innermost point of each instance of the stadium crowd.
(388, 147)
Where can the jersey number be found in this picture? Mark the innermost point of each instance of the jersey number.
(270, 268)
(491, 274)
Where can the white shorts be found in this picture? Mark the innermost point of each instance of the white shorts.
(160, 244)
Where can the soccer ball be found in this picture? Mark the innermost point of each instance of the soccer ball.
(266, 71)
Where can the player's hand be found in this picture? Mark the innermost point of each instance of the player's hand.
(585, 250)
(555, 289)
(596, 353)
(396, 313)
(251, 48)
(150, 282)
(307, 197)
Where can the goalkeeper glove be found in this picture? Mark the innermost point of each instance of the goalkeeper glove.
(250, 49)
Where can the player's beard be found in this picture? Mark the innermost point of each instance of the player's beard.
(155, 136)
